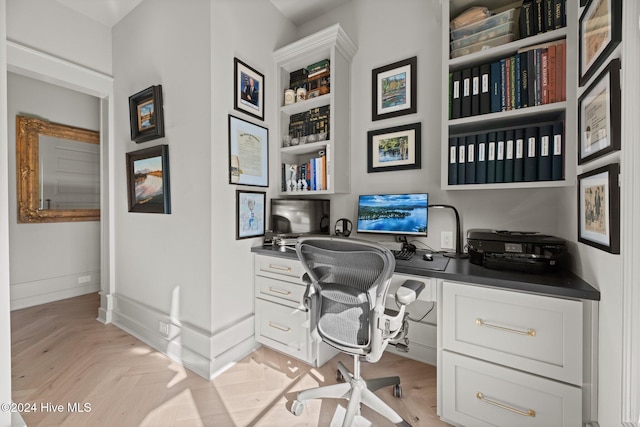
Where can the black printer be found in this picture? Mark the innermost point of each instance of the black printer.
(525, 251)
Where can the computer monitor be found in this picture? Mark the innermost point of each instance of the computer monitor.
(300, 216)
(397, 214)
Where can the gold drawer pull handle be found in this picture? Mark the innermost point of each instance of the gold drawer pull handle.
(273, 325)
(278, 291)
(527, 413)
(279, 267)
(530, 332)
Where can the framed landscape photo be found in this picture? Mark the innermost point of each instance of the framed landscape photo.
(250, 214)
(393, 149)
(600, 31)
(146, 115)
(599, 208)
(148, 180)
(248, 153)
(394, 91)
(248, 90)
(599, 115)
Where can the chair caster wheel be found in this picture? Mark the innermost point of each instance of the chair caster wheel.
(397, 391)
(339, 376)
(297, 408)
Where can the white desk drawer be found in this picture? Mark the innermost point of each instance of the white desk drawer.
(539, 334)
(285, 328)
(278, 267)
(280, 289)
(483, 394)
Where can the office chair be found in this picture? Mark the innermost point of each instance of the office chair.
(347, 284)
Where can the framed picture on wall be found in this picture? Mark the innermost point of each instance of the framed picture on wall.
(599, 112)
(148, 180)
(394, 91)
(393, 149)
(599, 208)
(248, 153)
(600, 31)
(146, 115)
(248, 89)
(250, 214)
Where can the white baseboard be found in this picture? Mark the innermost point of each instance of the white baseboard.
(186, 344)
(38, 292)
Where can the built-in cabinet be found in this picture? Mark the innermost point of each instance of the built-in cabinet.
(512, 358)
(332, 44)
(515, 118)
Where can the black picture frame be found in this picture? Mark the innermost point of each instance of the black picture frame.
(394, 100)
(599, 208)
(146, 114)
(595, 44)
(390, 141)
(248, 98)
(142, 165)
(599, 115)
(248, 153)
(250, 214)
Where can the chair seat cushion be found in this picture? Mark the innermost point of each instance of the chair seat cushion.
(344, 315)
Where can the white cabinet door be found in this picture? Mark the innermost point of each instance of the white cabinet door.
(534, 333)
(481, 394)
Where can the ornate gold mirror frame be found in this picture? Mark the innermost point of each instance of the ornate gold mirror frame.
(28, 132)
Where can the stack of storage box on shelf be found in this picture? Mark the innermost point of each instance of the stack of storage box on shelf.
(308, 127)
(483, 34)
(533, 153)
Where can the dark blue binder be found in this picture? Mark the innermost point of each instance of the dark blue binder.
(475, 91)
(485, 89)
(496, 87)
(466, 92)
(518, 161)
(557, 160)
(453, 160)
(470, 176)
(500, 156)
(491, 158)
(481, 158)
(545, 134)
(531, 153)
(509, 155)
(456, 95)
(462, 160)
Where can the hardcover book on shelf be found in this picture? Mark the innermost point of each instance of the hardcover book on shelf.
(526, 19)
(496, 87)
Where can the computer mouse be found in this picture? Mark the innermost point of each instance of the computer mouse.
(427, 257)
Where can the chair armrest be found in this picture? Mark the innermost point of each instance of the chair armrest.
(409, 291)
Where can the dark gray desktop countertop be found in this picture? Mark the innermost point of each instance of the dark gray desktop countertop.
(562, 283)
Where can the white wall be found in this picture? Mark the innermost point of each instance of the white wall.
(53, 28)
(5, 326)
(47, 259)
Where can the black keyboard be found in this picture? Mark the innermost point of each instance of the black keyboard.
(403, 254)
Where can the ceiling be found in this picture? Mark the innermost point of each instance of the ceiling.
(110, 12)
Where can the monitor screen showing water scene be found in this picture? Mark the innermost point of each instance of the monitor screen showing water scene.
(148, 173)
(395, 148)
(400, 214)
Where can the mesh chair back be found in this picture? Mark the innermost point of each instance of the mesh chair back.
(349, 277)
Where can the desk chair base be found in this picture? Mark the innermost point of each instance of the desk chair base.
(357, 390)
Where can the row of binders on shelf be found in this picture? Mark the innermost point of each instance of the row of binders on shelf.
(539, 16)
(535, 75)
(308, 176)
(534, 153)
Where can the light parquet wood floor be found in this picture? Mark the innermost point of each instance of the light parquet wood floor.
(61, 355)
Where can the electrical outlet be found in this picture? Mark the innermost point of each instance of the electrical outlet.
(446, 240)
(163, 327)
